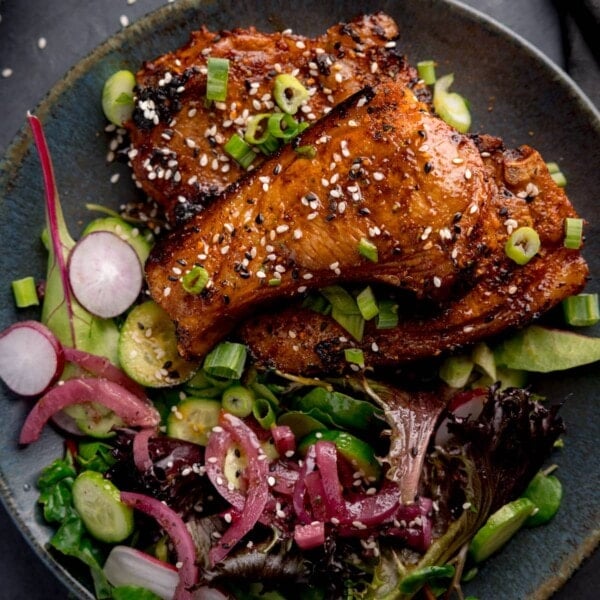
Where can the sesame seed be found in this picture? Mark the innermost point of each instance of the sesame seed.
(468, 174)
(123, 19)
(42, 42)
(378, 176)
(458, 160)
(282, 228)
(437, 282)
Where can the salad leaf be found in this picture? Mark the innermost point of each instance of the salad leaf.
(489, 461)
(69, 321)
(540, 349)
(132, 592)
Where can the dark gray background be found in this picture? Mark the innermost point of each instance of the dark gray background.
(72, 28)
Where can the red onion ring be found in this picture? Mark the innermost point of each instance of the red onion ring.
(175, 528)
(141, 451)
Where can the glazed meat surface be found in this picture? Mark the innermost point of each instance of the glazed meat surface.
(506, 296)
(177, 140)
(385, 171)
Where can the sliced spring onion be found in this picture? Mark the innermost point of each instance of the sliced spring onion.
(450, 106)
(263, 412)
(226, 360)
(274, 282)
(216, 78)
(456, 370)
(309, 151)
(353, 324)
(367, 304)
(557, 174)
(318, 303)
(195, 280)
(340, 299)
(257, 131)
(581, 310)
(24, 292)
(240, 151)
(573, 233)
(354, 356)
(426, 71)
(368, 250)
(559, 179)
(522, 245)
(238, 400)
(270, 145)
(283, 126)
(289, 93)
(388, 314)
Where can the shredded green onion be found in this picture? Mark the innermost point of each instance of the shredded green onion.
(367, 304)
(573, 233)
(195, 280)
(581, 310)
(353, 324)
(270, 145)
(355, 356)
(240, 151)
(289, 93)
(522, 245)
(368, 250)
(216, 78)
(450, 106)
(388, 314)
(426, 71)
(226, 360)
(25, 293)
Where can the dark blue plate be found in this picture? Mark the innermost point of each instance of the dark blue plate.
(514, 93)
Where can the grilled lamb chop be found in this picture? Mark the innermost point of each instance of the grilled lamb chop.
(177, 140)
(385, 170)
(299, 340)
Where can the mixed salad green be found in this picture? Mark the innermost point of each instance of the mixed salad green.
(218, 480)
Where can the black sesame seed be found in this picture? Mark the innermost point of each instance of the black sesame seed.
(428, 167)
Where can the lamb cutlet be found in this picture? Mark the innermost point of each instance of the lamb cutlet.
(386, 172)
(507, 295)
(177, 140)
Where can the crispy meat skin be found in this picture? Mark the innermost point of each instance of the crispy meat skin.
(506, 296)
(385, 169)
(180, 162)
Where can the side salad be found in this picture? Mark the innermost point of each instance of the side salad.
(219, 480)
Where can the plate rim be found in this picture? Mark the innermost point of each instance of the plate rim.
(21, 143)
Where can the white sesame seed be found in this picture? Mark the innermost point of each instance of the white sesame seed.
(42, 43)
(124, 20)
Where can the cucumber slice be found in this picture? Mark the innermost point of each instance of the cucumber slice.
(117, 97)
(140, 242)
(358, 453)
(94, 419)
(500, 527)
(148, 348)
(193, 419)
(98, 502)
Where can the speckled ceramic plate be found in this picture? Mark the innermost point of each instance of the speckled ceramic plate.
(514, 93)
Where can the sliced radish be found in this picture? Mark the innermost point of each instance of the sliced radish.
(31, 358)
(128, 566)
(105, 274)
(465, 405)
(134, 411)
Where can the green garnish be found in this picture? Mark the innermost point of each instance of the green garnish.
(368, 250)
(289, 93)
(216, 78)
(573, 233)
(226, 360)
(522, 245)
(195, 280)
(367, 304)
(24, 292)
(426, 71)
(240, 151)
(450, 106)
(354, 356)
(581, 310)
